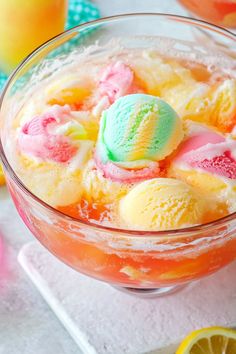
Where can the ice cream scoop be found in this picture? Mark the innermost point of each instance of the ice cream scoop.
(206, 160)
(210, 152)
(136, 132)
(116, 80)
(51, 136)
(161, 204)
(138, 129)
(51, 150)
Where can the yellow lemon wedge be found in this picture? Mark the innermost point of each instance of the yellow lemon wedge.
(213, 340)
(2, 179)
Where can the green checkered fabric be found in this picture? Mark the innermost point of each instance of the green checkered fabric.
(80, 11)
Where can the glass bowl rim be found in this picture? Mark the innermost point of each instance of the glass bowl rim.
(174, 233)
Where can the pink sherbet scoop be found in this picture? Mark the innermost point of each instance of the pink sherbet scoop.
(116, 81)
(210, 152)
(37, 139)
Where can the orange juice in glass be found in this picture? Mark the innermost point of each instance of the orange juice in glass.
(24, 25)
(219, 12)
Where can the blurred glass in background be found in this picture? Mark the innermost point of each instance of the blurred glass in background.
(219, 12)
(24, 25)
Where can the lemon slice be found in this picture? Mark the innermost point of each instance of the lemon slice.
(2, 179)
(213, 340)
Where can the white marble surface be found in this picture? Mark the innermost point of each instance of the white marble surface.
(27, 325)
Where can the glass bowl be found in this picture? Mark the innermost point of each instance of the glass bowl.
(143, 263)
